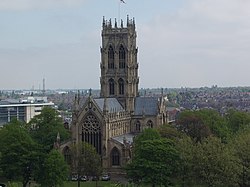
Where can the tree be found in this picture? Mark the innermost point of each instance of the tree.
(238, 120)
(155, 159)
(56, 170)
(45, 127)
(241, 144)
(18, 152)
(191, 123)
(215, 163)
(86, 161)
(170, 132)
(217, 124)
(148, 134)
(185, 147)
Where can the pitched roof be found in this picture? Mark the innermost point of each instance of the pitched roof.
(128, 137)
(146, 105)
(113, 105)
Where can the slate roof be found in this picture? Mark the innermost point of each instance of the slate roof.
(129, 138)
(146, 105)
(113, 105)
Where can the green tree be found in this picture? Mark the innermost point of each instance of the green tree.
(215, 163)
(185, 147)
(45, 127)
(217, 124)
(238, 120)
(148, 134)
(155, 159)
(241, 144)
(170, 132)
(85, 160)
(56, 170)
(191, 123)
(18, 152)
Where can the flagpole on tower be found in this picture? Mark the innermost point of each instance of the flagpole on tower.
(119, 9)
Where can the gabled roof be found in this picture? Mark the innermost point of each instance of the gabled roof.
(146, 105)
(128, 137)
(112, 104)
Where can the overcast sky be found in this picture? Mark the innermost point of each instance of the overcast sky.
(182, 43)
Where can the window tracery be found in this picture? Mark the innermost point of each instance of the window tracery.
(91, 131)
(149, 124)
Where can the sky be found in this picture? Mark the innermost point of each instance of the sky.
(182, 43)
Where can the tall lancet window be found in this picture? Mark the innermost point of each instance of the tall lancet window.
(122, 57)
(111, 58)
(115, 156)
(121, 86)
(111, 87)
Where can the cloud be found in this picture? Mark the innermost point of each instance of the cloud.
(204, 41)
(37, 4)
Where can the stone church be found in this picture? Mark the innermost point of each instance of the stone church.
(111, 121)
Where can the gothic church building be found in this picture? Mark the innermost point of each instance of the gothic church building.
(110, 122)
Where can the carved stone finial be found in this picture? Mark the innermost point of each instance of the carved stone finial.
(103, 21)
(121, 23)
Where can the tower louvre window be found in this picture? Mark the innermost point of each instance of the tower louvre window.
(111, 87)
(121, 86)
(122, 57)
(111, 58)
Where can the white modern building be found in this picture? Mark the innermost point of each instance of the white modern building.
(22, 109)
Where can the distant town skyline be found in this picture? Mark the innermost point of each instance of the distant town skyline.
(182, 43)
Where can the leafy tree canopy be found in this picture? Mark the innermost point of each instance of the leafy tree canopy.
(155, 159)
(155, 162)
(18, 152)
(55, 170)
(45, 127)
(86, 161)
(215, 163)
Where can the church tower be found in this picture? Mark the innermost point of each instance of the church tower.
(119, 67)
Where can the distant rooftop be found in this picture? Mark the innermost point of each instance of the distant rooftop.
(24, 101)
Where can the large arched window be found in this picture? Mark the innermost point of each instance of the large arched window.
(111, 58)
(121, 86)
(111, 87)
(122, 57)
(138, 126)
(115, 156)
(91, 131)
